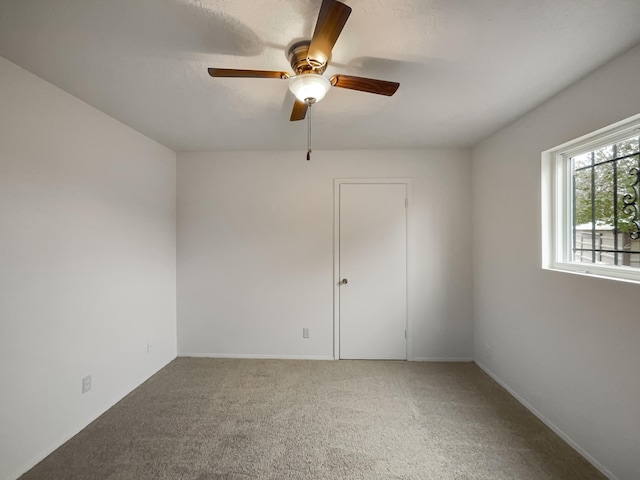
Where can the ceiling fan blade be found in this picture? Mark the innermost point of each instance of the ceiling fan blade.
(371, 85)
(299, 111)
(331, 19)
(231, 72)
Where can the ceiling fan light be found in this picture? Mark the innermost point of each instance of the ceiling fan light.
(309, 85)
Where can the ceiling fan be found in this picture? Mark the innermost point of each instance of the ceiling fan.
(309, 60)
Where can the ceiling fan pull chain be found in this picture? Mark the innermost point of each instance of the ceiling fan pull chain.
(309, 132)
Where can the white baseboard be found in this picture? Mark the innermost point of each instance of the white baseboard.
(550, 424)
(78, 428)
(309, 357)
(257, 356)
(442, 359)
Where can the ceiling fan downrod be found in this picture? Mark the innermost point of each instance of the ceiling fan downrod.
(309, 102)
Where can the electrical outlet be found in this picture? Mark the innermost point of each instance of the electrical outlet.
(305, 333)
(487, 351)
(86, 384)
(149, 347)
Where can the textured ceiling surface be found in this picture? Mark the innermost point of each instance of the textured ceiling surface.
(465, 67)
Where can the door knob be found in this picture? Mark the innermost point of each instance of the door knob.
(344, 281)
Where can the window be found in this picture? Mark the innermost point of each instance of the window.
(591, 204)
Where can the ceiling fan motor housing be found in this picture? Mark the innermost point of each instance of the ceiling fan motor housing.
(299, 61)
(309, 60)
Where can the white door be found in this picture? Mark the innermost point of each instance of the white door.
(373, 271)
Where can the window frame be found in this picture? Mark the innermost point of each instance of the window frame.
(556, 213)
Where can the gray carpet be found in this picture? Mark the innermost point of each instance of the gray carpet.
(223, 419)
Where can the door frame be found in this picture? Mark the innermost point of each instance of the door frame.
(336, 254)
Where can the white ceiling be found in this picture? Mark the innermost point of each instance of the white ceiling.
(465, 67)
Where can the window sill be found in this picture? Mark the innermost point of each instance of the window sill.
(597, 271)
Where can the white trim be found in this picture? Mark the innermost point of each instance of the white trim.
(598, 271)
(549, 424)
(603, 137)
(314, 357)
(62, 439)
(408, 182)
(444, 359)
(556, 208)
(609, 131)
(52, 448)
(336, 269)
(257, 356)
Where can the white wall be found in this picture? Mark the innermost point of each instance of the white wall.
(87, 264)
(255, 250)
(567, 345)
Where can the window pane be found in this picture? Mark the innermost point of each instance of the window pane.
(604, 195)
(594, 204)
(582, 252)
(625, 188)
(627, 147)
(580, 161)
(582, 228)
(582, 188)
(604, 153)
(605, 214)
(628, 244)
